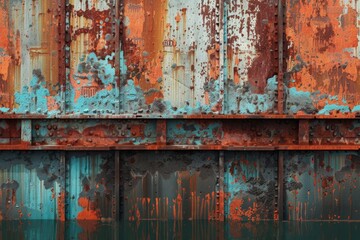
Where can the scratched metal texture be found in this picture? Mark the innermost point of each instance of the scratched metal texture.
(169, 185)
(322, 185)
(250, 186)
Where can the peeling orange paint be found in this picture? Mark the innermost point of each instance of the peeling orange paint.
(89, 212)
(323, 40)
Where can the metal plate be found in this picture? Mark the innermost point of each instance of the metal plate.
(250, 186)
(91, 85)
(89, 133)
(90, 185)
(29, 57)
(322, 185)
(322, 59)
(170, 61)
(31, 186)
(251, 60)
(169, 185)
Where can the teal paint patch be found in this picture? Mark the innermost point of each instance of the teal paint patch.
(356, 108)
(91, 179)
(241, 100)
(334, 107)
(194, 133)
(250, 181)
(33, 97)
(103, 101)
(123, 67)
(4, 109)
(299, 101)
(34, 180)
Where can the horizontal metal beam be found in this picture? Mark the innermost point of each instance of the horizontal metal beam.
(180, 134)
(184, 116)
(182, 148)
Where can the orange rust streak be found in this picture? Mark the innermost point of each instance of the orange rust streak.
(146, 25)
(61, 206)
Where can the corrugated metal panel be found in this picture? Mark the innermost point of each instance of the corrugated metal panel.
(170, 56)
(91, 84)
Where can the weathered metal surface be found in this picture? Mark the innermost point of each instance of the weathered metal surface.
(250, 186)
(32, 186)
(91, 86)
(29, 57)
(322, 185)
(90, 133)
(90, 181)
(171, 57)
(10, 132)
(171, 134)
(251, 56)
(170, 185)
(230, 78)
(322, 56)
(140, 57)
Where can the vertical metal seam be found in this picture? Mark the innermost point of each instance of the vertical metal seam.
(121, 36)
(116, 210)
(223, 52)
(280, 99)
(67, 51)
(62, 53)
(280, 187)
(117, 48)
(220, 189)
(220, 32)
(64, 176)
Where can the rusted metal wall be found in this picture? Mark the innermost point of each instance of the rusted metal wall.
(151, 58)
(198, 110)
